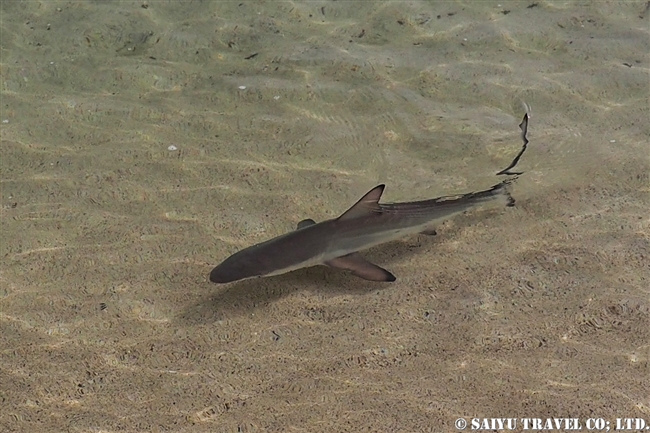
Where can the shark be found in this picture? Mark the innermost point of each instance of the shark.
(337, 242)
(368, 223)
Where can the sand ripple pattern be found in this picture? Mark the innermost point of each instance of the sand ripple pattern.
(143, 142)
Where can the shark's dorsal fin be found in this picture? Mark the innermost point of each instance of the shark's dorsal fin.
(305, 223)
(368, 204)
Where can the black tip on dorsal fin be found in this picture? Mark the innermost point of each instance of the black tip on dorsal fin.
(367, 204)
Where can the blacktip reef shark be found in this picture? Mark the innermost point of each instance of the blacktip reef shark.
(368, 223)
(335, 242)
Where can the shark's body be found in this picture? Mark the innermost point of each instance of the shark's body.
(335, 242)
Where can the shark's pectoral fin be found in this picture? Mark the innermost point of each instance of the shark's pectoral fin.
(361, 268)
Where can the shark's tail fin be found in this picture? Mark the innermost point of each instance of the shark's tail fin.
(524, 131)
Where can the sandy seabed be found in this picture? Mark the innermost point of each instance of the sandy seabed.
(144, 142)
